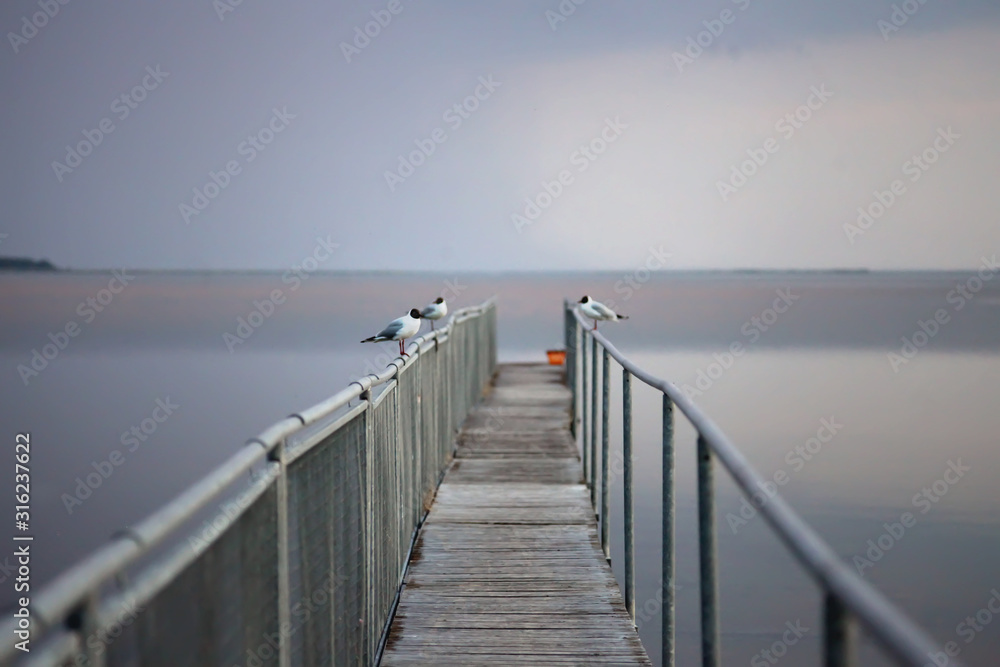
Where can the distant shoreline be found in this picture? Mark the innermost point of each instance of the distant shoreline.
(30, 266)
(26, 264)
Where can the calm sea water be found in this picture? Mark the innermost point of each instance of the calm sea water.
(857, 438)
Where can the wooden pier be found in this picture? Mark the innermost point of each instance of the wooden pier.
(508, 568)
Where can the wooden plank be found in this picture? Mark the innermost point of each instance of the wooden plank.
(552, 444)
(508, 568)
(537, 470)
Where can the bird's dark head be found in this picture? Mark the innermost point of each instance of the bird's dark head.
(414, 313)
(585, 299)
(440, 299)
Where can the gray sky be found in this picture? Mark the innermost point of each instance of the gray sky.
(664, 179)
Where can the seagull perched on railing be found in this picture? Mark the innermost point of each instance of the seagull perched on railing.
(399, 329)
(596, 310)
(435, 311)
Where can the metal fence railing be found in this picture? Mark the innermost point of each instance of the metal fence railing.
(847, 599)
(302, 564)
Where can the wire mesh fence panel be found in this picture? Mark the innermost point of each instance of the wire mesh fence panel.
(384, 451)
(409, 430)
(222, 609)
(431, 413)
(465, 384)
(454, 362)
(442, 408)
(350, 540)
(327, 552)
(471, 366)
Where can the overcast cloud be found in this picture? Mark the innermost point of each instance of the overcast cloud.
(669, 131)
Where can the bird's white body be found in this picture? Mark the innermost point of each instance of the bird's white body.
(399, 329)
(435, 310)
(596, 310)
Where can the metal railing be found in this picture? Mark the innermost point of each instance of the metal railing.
(846, 597)
(302, 564)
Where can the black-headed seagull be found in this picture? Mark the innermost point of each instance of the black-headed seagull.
(399, 329)
(435, 311)
(596, 310)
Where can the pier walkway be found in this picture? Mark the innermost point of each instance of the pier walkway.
(327, 541)
(508, 567)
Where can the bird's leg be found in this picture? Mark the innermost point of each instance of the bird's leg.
(595, 325)
(402, 352)
(432, 325)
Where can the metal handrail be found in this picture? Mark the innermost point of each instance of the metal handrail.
(846, 595)
(80, 586)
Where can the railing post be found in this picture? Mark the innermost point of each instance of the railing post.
(369, 534)
(627, 482)
(284, 596)
(89, 625)
(605, 500)
(667, 573)
(585, 408)
(593, 423)
(838, 633)
(577, 377)
(570, 345)
(706, 558)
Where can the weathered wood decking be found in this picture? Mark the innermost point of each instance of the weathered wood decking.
(508, 568)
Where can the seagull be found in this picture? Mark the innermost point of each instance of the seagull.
(596, 310)
(435, 311)
(399, 329)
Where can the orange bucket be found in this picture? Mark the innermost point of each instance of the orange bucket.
(556, 357)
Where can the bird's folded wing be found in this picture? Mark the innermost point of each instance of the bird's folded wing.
(603, 310)
(391, 329)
